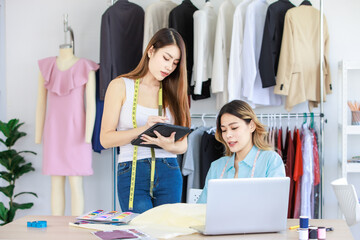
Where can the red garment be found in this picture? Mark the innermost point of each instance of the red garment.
(289, 169)
(298, 172)
(279, 145)
(316, 160)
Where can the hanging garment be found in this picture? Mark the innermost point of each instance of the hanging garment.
(237, 36)
(271, 42)
(210, 150)
(298, 75)
(316, 188)
(204, 40)
(122, 30)
(191, 160)
(95, 141)
(308, 171)
(181, 19)
(279, 146)
(297, 174)
(253, 34)
(289, 169)
(220, 69)
(65, 152)
(156, 18)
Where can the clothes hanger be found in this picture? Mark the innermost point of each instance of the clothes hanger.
(312, 120)
(280, 121)
(203, 119)
(305, 118)
(288, 123)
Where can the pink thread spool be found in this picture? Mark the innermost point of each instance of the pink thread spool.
(321, 233)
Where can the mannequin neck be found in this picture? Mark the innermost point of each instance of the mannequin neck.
(66, 59)
(66, 53)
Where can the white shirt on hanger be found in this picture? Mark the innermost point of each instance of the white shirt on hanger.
(237, 36)
(253, 33)
(307, 179)
(156, 17)
(204, 39)
(222, 52)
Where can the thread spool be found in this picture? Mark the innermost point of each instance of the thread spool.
(304, 222)
(303, 233)
(313, 233)
(321, 233)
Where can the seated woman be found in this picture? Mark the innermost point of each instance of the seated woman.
(247, 152)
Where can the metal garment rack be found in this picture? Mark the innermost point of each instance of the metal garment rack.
(114, 154)
(265, 115)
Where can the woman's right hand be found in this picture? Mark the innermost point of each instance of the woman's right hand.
(155, 119)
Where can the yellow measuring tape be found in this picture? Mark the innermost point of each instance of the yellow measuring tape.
(133, 169)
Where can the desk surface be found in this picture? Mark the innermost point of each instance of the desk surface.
(58, 228)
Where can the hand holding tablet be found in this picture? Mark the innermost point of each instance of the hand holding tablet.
(165, 130)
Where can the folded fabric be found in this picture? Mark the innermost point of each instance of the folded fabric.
(171, 220)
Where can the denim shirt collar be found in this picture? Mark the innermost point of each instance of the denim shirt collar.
(248, 160)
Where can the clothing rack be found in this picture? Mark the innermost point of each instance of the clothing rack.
(265, 115)
(321, 114)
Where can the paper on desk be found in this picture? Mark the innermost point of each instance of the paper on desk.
(165, 221)
(171, 220)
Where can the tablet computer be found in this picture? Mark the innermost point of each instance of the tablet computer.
(165, 130)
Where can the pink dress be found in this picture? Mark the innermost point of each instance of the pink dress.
(65, 152)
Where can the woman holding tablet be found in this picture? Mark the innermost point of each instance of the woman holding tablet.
(154, 92)
(247, 152)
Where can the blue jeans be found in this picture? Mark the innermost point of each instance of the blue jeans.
(167, 184)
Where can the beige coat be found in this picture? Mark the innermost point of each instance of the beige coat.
(298, 75)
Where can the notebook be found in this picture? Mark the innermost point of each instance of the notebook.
(246, 205)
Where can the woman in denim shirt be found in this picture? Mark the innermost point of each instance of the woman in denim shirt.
(247, 152)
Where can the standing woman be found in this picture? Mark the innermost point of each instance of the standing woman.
(154, 92)
(247, 152)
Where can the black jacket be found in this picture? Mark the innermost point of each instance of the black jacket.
(271, 43)
(122, 33)
(181, 19)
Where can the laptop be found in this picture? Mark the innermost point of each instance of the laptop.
(246, 205)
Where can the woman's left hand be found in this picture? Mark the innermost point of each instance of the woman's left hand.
(166, 143)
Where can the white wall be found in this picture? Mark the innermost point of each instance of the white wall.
(34, 30)
(2, 62)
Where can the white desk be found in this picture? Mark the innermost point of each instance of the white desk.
(58, 228)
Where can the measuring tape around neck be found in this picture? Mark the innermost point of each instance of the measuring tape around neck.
(134, 161)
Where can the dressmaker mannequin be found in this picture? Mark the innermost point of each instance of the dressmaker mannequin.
(65, 61)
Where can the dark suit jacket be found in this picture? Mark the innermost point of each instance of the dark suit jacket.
(271, 43)
(181, 19)
(122, 33)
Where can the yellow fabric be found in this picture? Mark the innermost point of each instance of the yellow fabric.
(171, 220)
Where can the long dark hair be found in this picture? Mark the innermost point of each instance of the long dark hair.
(175, 85)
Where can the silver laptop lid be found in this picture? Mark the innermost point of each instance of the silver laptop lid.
(247, 205)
